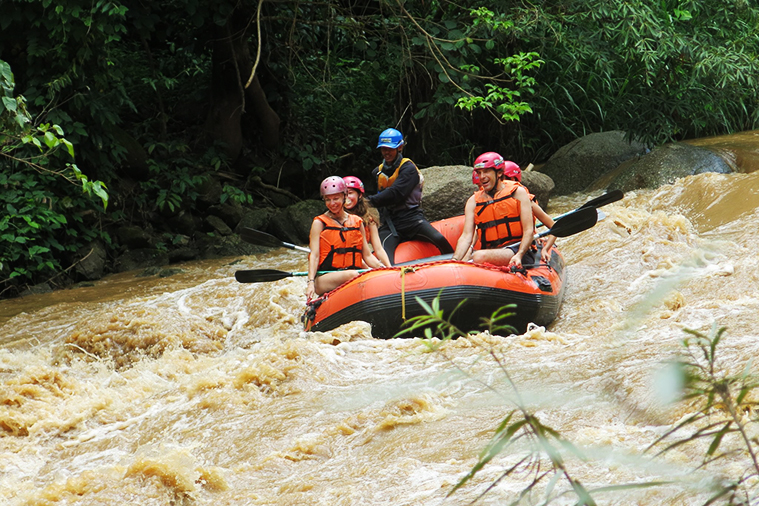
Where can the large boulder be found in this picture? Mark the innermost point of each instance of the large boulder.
(578, 164)
(230, 212)
(539, 185)
(293, 224)
(134, 237)
(663, 166)
(219, 246)
(92, 261)
(254, 218)
(447, 188)
(139, 259)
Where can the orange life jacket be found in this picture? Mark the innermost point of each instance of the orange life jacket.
(498, 218)
(340, 246)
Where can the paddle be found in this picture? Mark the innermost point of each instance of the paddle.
(262, 275)
(254, 236)
(605, 199)
(570, 224)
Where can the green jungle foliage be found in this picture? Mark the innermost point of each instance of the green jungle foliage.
(160, 98)
(44, 197)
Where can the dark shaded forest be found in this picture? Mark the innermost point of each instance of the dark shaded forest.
(129, 113)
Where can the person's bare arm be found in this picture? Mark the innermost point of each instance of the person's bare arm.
(528, 230)
(376, 243)
(370, 259)
(313, 257)
(467, 234)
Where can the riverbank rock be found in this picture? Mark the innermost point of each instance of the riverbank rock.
(293, 223)
(139, 259)
(93, 259)
(225, 246)
(663, 166)
(446, 190)
(575, 166)
(539, 185)
(134, 237)
(255, 218)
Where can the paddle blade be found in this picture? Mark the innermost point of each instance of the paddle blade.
(254, 236)
(606, 198)
(573, 223)
(261, 275)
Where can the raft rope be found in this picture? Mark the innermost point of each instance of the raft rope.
(404, 270)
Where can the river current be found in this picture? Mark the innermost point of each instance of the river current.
(198, 390)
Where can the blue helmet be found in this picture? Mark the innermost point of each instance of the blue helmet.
(390, 138)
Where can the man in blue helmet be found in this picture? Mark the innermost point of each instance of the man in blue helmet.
(399, 198)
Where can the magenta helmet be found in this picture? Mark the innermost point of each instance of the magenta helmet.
(475, 178)
(354, 182)
(332, 185)
(489, 160)
(512, 170)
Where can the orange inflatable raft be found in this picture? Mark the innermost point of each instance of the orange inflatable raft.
(386, 297)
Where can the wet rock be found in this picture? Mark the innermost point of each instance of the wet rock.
(209, 192)
(540, 185)
(217, 225)
(578, 164)
(223, 246)
(93, 259)
(158, 271)
(150, 271)
(37, 289)
(165, 273)
(183, 254)
(446, 190)
(293, 224)
(139, 259)
(231, 214)
(133, 237)
(663, 166)
(254, 218)
(184, 223)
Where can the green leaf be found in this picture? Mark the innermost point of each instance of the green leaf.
(718, 439)
(50, 140)
(9, 104)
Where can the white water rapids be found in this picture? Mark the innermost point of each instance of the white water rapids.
(198, 390)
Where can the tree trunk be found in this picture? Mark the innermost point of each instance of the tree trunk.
(231, 67)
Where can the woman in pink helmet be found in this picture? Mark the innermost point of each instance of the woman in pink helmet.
(337, 242)
(356, 204)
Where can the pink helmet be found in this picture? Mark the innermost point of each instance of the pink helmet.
(512, 170)
(354, 182)
(489, 160)
(332, 185)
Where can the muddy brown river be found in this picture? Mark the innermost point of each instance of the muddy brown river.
(197, 390)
